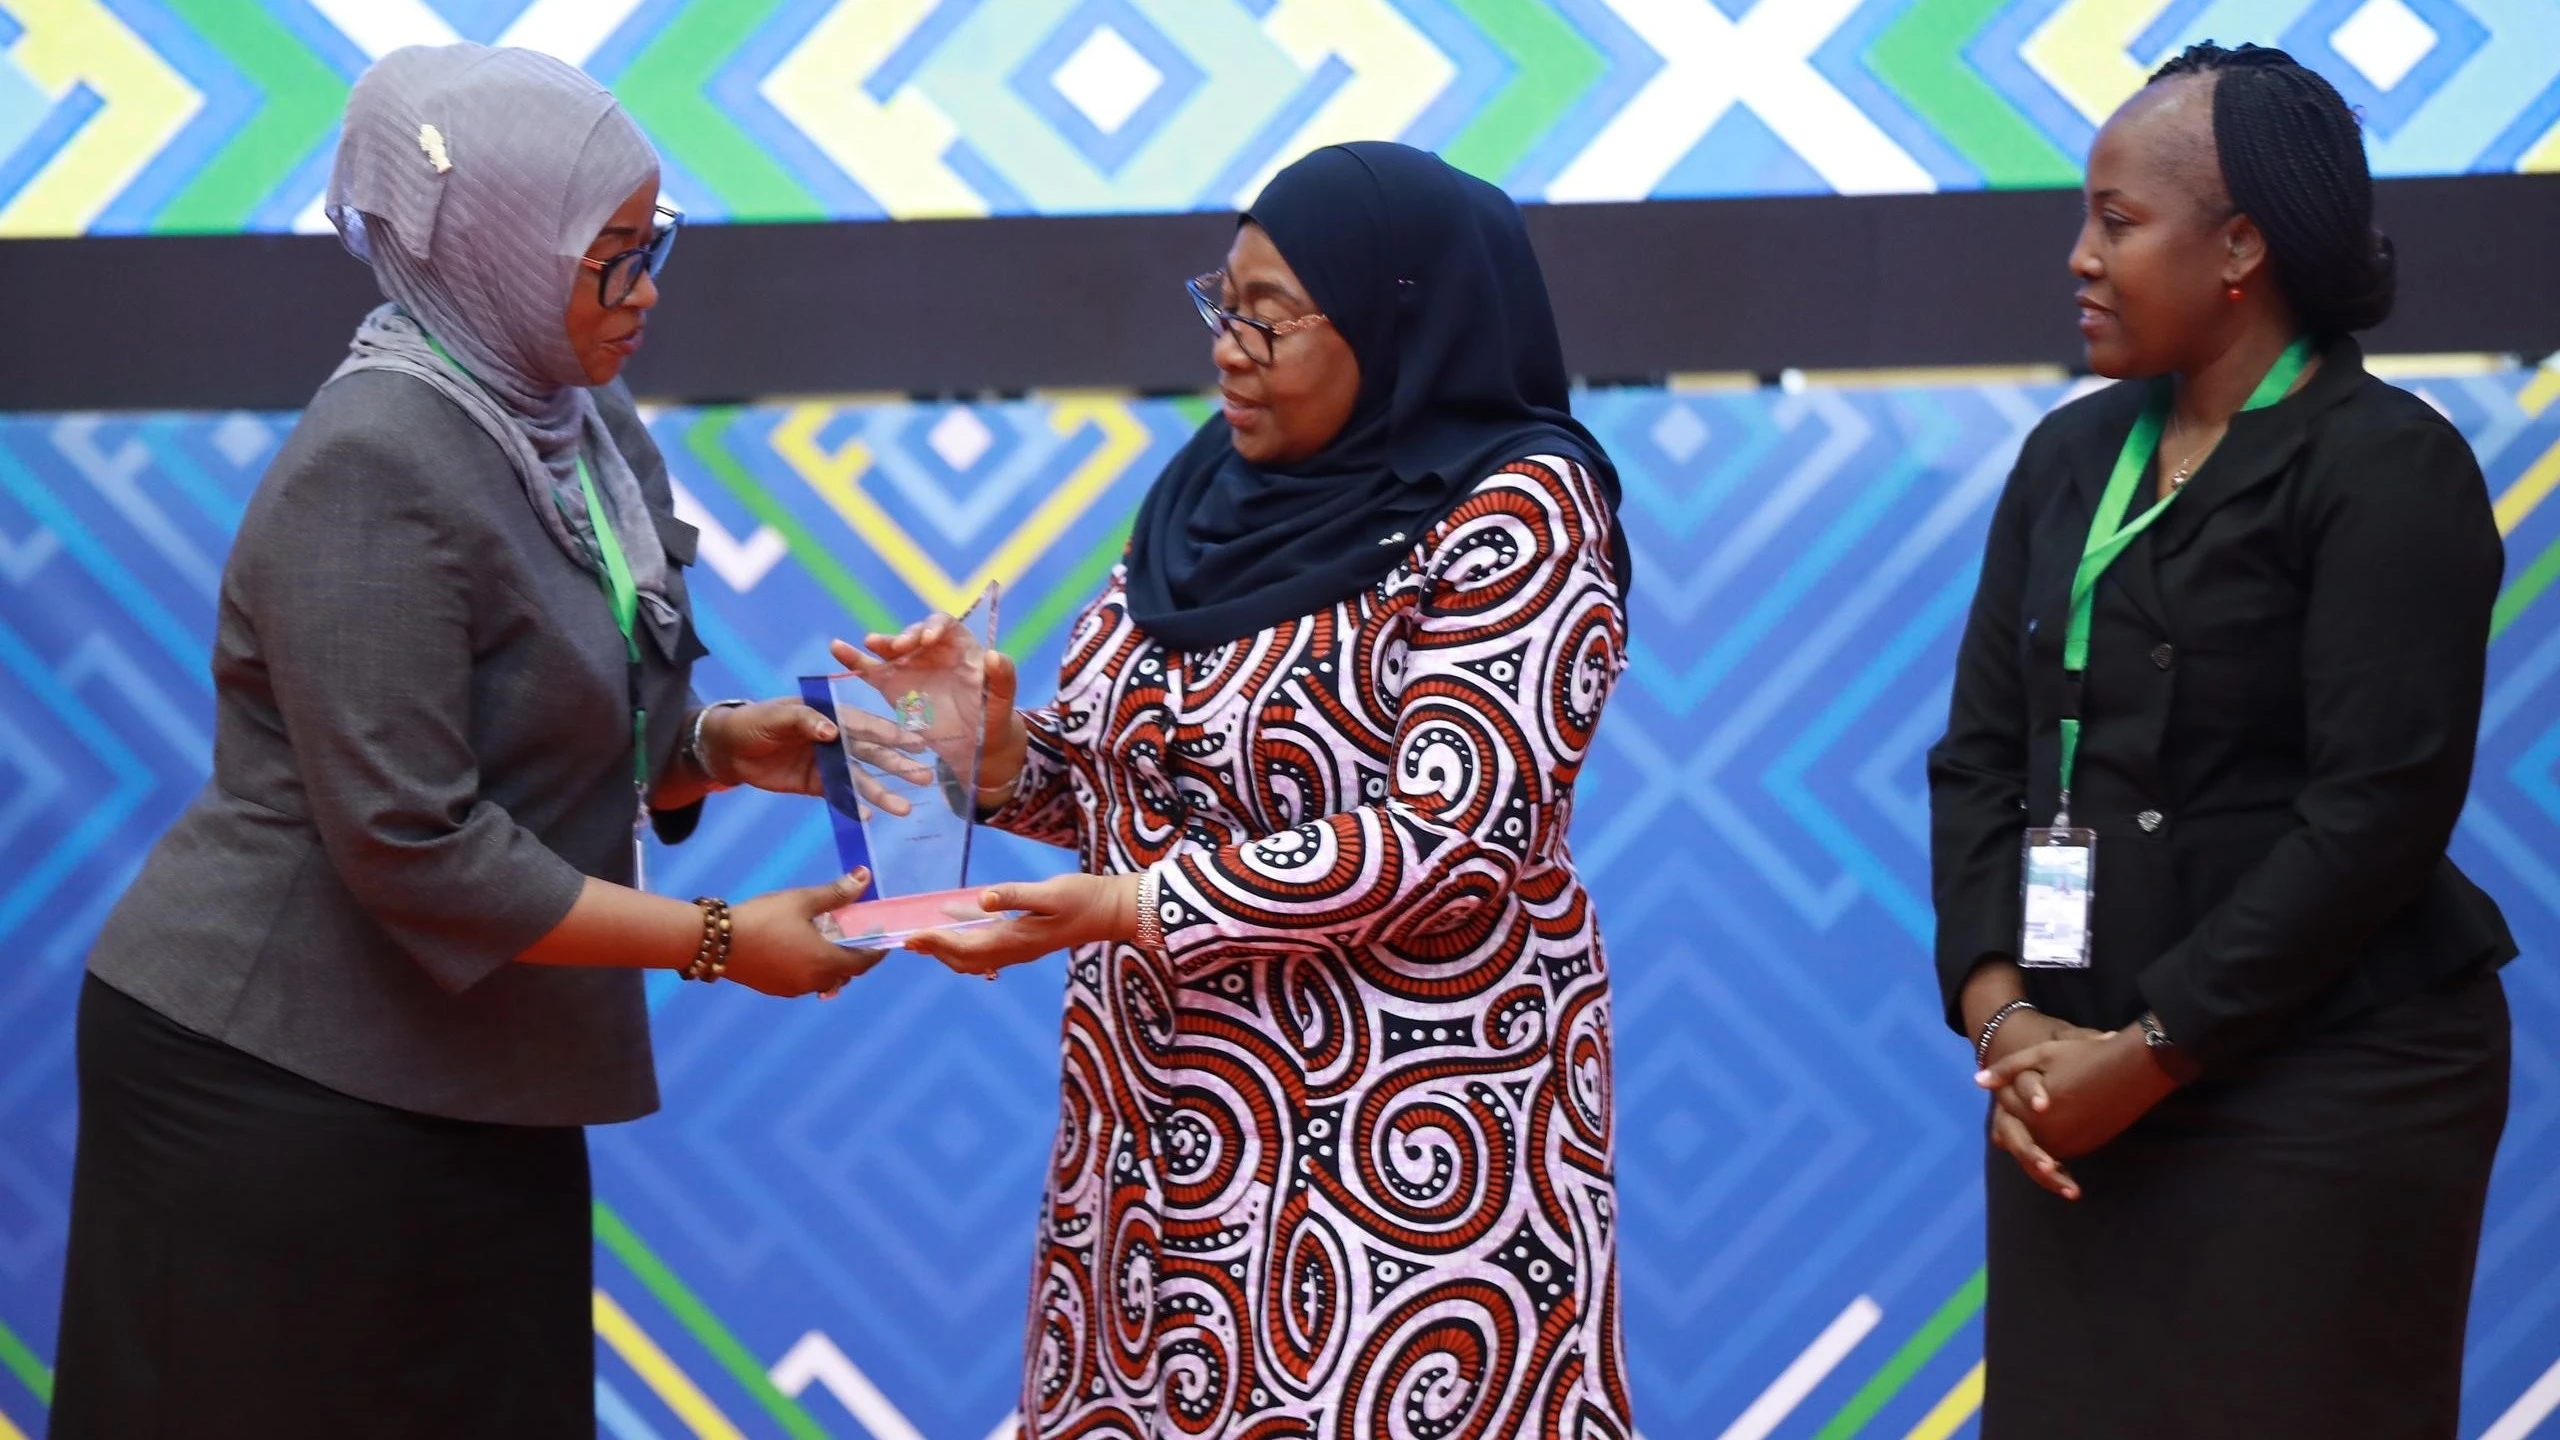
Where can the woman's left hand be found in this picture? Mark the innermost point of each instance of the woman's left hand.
(2092, 1089)
(1057, 914)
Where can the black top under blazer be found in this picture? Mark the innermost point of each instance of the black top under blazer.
(2278, 719)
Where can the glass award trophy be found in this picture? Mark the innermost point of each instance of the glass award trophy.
(902, 782)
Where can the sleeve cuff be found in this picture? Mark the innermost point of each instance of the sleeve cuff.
(1191, 929)
(2172, 1001)
(674, 827)
(457, 964)
(1954, 975)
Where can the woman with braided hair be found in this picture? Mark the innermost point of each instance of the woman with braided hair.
(2213, 722)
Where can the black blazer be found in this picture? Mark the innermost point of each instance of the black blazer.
(2278, 719)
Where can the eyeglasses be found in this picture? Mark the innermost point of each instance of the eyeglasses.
(1259, 339)
(616, 278)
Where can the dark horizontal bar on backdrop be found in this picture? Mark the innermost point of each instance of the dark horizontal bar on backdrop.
(965, 306)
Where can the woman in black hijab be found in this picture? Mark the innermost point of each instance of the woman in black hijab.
(1334, 1149)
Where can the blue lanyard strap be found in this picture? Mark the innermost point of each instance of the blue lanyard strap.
(2110, 531)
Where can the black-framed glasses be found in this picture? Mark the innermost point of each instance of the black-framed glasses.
(617, 277)
(1258, 339)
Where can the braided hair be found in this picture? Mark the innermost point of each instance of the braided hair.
(2293, 162)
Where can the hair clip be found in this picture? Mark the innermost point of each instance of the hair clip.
(431, 140)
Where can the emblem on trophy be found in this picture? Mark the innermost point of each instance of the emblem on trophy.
(915, 712)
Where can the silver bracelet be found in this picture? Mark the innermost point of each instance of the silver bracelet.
(1150, 936)
(1991, 1027)
(693, 742)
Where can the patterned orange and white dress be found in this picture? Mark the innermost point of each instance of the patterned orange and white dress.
(1338, 1163)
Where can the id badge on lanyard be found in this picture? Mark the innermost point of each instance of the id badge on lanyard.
(2058, 863)
(640, 844)
(2059, 866)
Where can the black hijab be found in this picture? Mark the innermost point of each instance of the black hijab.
(1427, 273)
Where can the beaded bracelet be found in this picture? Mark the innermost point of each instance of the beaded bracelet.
(711, 958)
(1991, 1027)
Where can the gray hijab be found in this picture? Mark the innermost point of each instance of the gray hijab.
(472, 180)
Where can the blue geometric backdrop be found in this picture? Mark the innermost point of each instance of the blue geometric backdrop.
(827, 1231)
(134, 116)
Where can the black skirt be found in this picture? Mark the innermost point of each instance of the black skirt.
(2284, 1253)
(252, 1254)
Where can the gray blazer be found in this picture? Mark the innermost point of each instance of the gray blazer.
(422, 745)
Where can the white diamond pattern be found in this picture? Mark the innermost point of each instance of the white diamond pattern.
(1680, 433)
(960, 438)
(2385, 39)
(1107, 79)
(241, 439)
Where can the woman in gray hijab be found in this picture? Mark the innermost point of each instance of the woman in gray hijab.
(339, 1038)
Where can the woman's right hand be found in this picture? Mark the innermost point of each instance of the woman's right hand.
(1992, 986)
(2015, 1105)
(2025, 1028)
(2025, 1099)
(775, 947)
(941, 645)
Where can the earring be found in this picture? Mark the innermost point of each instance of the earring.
(2232, 294)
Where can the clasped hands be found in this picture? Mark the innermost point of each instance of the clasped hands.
(2060, 1091)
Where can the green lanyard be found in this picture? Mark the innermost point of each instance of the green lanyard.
(2110, 531)
(619, 591)
(626, 614)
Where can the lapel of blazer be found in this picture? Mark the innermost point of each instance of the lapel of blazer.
(2257, 448)
(2092, 458)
